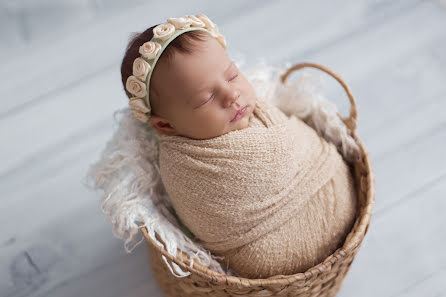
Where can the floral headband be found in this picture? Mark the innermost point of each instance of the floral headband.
(138, 83)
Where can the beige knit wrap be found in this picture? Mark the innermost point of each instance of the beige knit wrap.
(274, 198)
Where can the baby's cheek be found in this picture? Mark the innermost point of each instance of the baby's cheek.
(249, 89)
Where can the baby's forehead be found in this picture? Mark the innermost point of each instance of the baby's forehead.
(198, 70)
(207, 54)
(189, 74)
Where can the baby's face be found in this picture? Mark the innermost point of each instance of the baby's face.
(201, 93)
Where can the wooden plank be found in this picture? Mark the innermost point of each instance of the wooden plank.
(404, 249)
(378, 44)
(432, 285)
(72, 254)
(42, 126)
(409, 168)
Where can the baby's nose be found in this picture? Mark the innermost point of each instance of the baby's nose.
(232, 98)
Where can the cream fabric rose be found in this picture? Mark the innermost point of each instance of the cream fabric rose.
(141, 68)
(135, 86)
(140, 116)
(150, 49)
(139, 104)
(163, 31)
(195, 22)
(220, 38)
(208, 24)
(180, 23)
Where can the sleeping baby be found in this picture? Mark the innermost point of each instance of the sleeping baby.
(259, 188)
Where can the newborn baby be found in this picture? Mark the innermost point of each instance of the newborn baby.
(259, 188)
(199, 94)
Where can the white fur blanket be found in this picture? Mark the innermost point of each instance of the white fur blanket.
(128, 168)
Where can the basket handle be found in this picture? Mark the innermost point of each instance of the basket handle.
(352, 120)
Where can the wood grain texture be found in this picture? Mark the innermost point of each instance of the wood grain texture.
(60, 84)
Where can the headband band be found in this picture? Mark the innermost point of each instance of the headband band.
(138, 84)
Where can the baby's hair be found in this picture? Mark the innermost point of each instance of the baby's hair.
(183, 43)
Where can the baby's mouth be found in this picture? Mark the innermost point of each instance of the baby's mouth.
(240, 113)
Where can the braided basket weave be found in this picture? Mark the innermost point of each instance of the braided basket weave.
(324, 279)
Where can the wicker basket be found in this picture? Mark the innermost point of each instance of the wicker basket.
(324, 279)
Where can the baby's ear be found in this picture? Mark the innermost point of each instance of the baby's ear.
(162, 125)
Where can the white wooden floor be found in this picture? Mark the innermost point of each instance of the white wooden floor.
(60, 83)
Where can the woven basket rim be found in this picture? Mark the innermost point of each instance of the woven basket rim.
(352, 241)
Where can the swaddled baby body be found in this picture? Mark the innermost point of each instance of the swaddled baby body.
(261, 189)
(274, 198)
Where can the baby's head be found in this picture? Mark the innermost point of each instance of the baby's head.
(195, 89)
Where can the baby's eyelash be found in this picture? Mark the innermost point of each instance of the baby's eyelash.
(234, 76)
(210, 98)
(213, 95)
